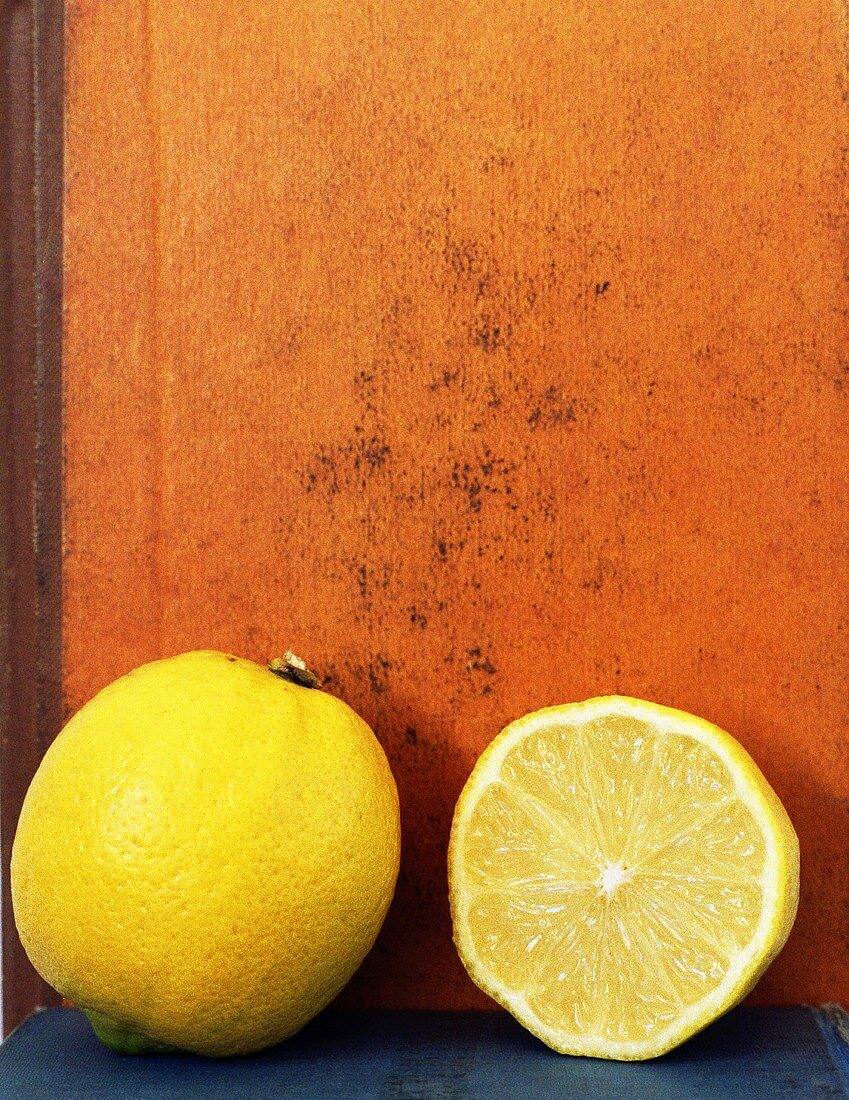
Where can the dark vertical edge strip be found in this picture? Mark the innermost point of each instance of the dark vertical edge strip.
(31, 479)
(49, 138)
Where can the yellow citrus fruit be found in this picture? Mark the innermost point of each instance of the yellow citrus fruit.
(620, 875)
(206, 855)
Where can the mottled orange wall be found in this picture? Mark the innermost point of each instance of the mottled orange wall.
(490, 354)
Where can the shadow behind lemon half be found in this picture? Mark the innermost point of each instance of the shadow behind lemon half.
(206, 855)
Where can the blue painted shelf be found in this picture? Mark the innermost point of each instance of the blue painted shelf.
(751, 1054)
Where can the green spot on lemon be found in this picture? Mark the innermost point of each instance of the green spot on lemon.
(121, 1039)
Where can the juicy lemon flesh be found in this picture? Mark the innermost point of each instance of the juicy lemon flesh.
(613, 887)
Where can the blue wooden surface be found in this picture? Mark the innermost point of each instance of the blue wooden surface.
(756, 1054)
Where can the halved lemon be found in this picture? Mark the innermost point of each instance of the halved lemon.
(620, 875)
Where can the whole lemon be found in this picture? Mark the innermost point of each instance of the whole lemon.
(206, 854)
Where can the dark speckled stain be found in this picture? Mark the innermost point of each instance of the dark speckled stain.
(373, 453)
(321, 473)
(350, 463)
(552, 409)
(492, 335)
(462, 477)
(595, 583)
(493, 297)
(373, 674)
(377, 671)
(446, 379)
(417, 618)
(493, 397)
(477, 479)
(460, 257)
(496, 161)
(477, 662)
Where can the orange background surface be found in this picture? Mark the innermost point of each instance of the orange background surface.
(488, 354)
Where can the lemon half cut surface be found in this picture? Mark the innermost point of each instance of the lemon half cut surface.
(620, 875)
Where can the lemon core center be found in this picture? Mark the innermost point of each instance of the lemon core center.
(612, 876)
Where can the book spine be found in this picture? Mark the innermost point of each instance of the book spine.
(30, 434)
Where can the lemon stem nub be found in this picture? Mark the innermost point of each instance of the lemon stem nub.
(292, 668)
